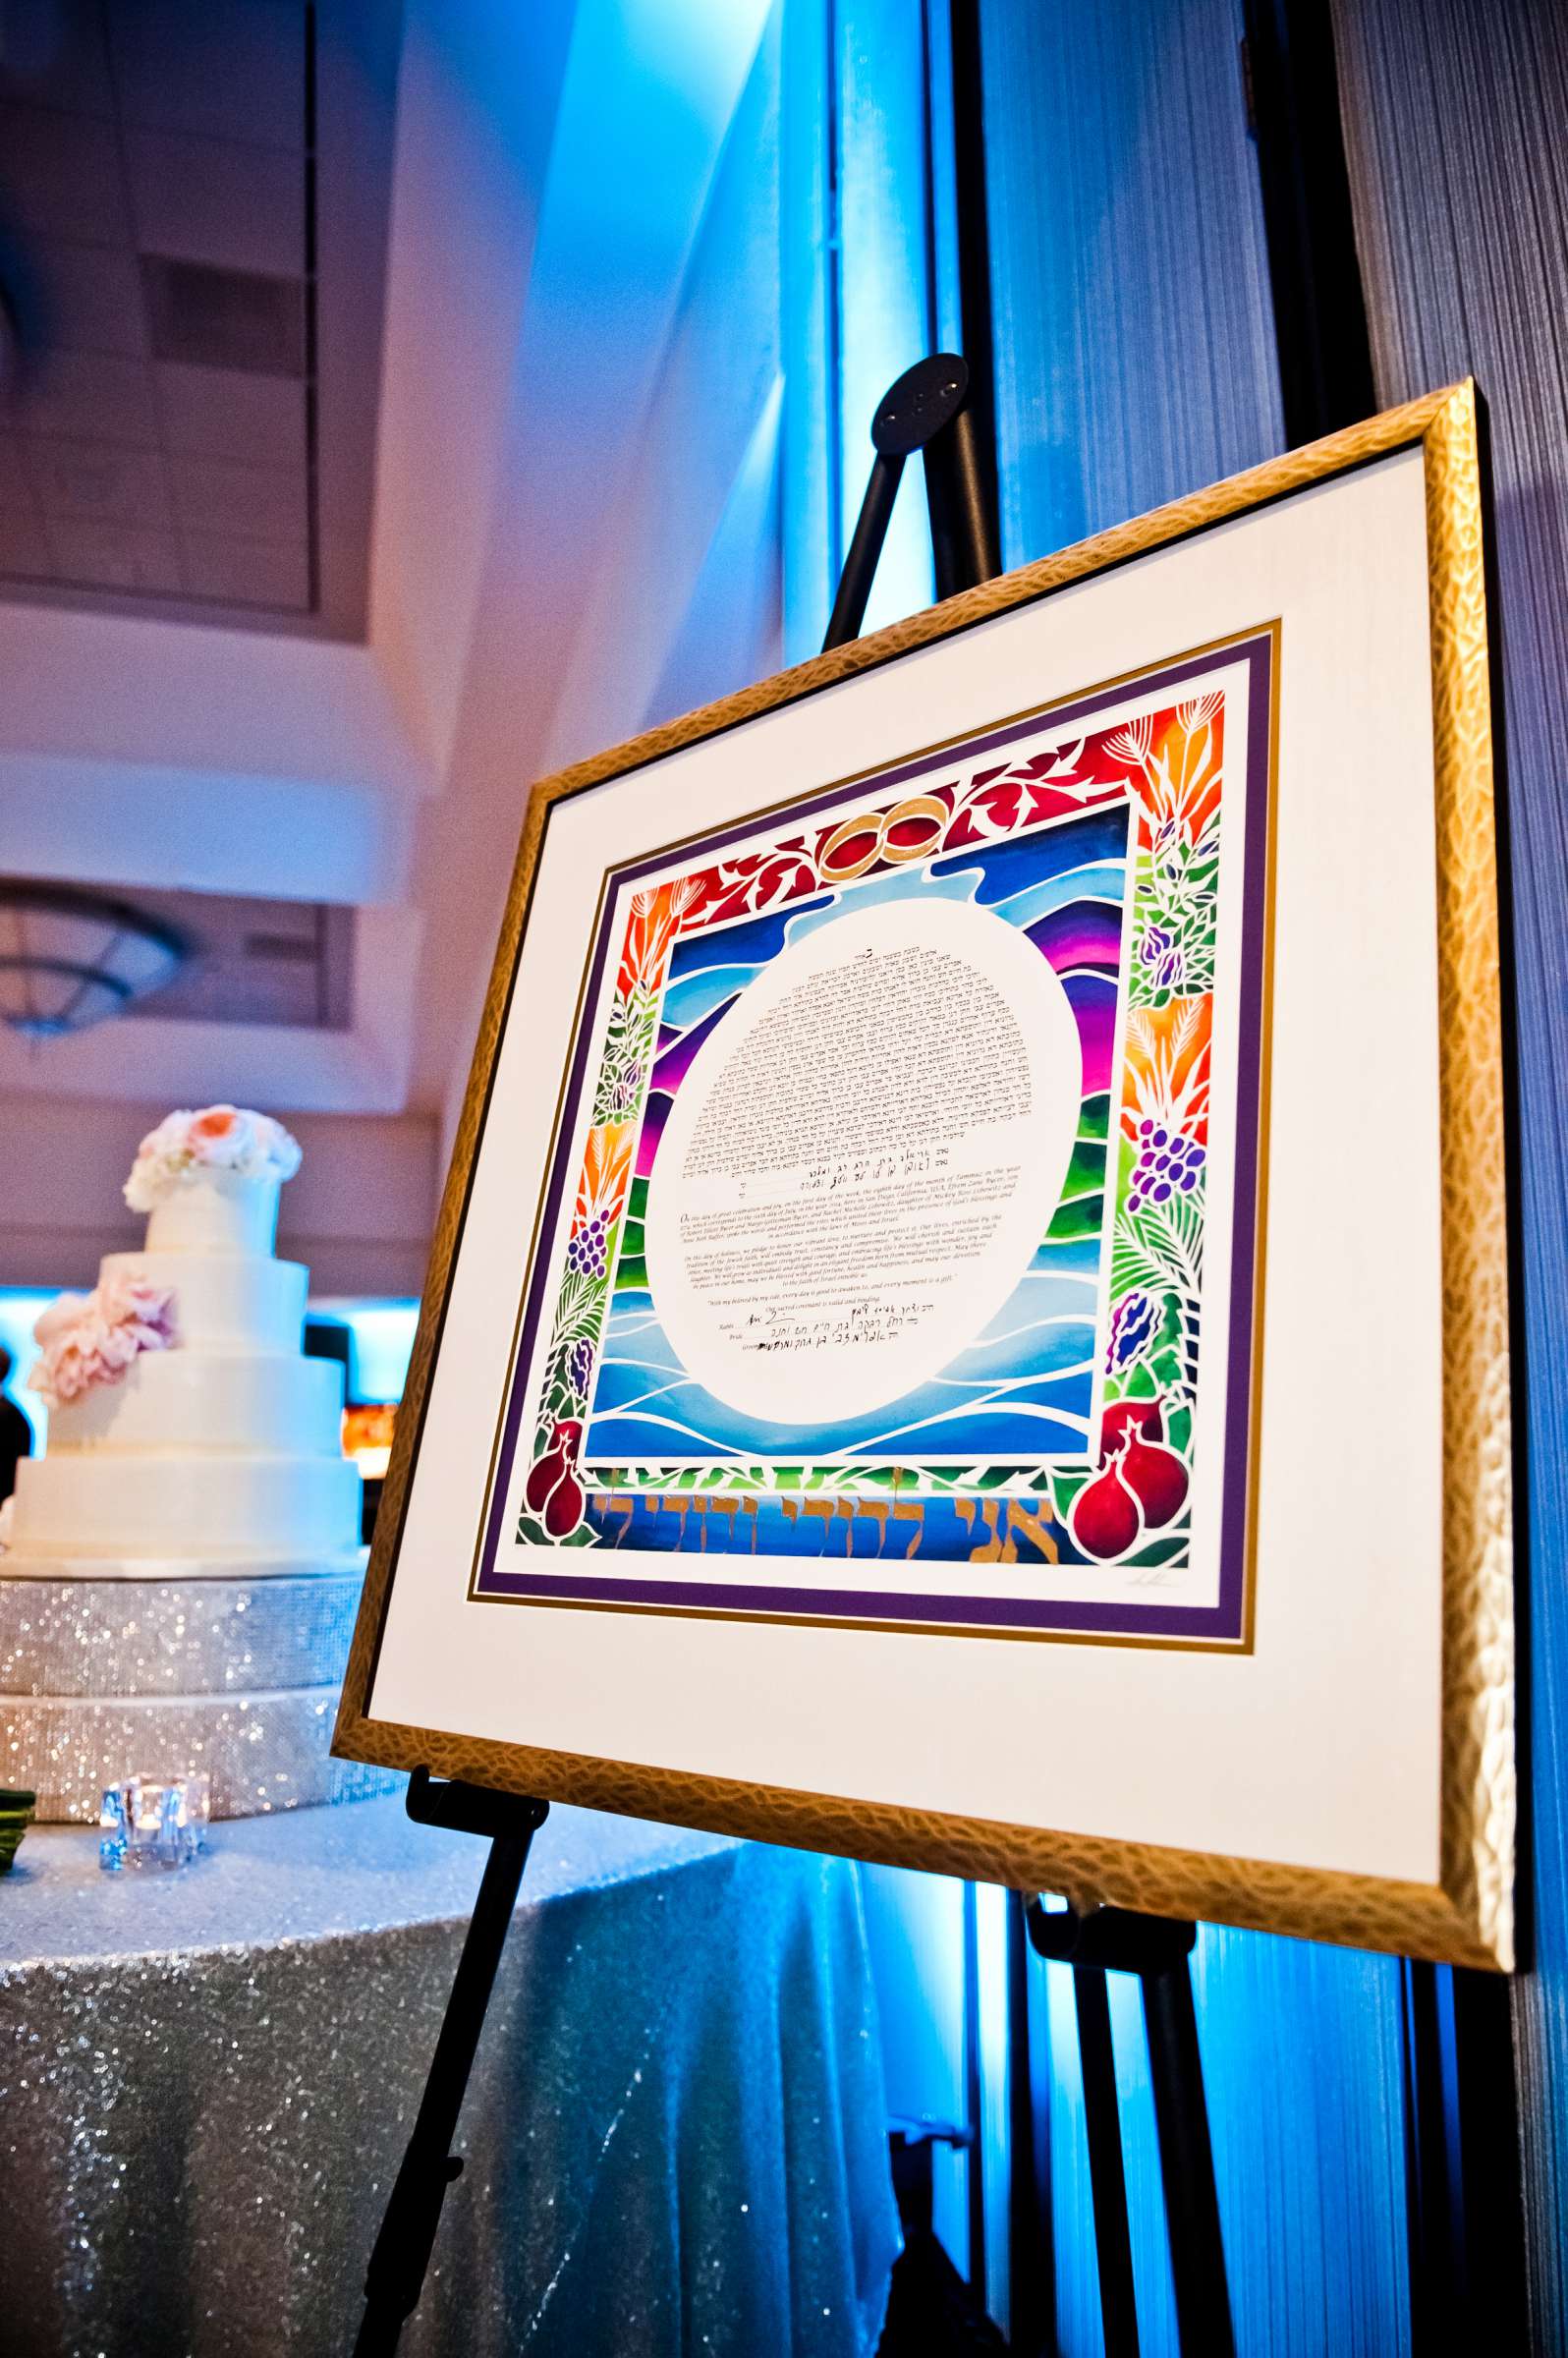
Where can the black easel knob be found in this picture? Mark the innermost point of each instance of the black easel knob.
(919, 404)
(924, 409)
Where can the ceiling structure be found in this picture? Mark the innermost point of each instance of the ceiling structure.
(572, 398)
(169, 438)
(253, 961)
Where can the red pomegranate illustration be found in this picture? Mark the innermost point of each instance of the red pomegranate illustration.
(1142, 1485)
(552, 1490)
(1124, 1417)
(1105, 1517)
(1159, 1478)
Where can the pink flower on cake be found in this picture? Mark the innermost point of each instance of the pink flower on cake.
(87, 1339)
(220, 1138)
(220, 1134)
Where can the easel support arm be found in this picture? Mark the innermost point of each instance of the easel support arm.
(402, 2253)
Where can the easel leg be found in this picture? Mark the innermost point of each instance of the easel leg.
(1157, 1950)
(396, 2275)
(1187, 2165)
(1113, 2248)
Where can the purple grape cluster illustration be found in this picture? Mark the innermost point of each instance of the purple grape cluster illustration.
(1167, 1166)
(1161, 953)
(1133, 1323)
(584, 1253)
(626, 1091)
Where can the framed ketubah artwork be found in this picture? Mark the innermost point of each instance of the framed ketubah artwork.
(968, 1323)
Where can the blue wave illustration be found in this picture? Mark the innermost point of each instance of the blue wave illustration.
(1052, 1346)
(904, 884)
(1100, 881)
(1004, 868)
(696, 997)
(753, 941)
(1041, 1295)
(679, 1421)
(1077, 1252)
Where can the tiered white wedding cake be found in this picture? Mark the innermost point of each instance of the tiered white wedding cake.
(182, 1564)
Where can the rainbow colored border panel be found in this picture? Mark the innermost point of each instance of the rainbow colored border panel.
(1060, 1461)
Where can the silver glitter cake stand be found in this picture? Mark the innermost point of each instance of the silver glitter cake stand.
(234, 1675)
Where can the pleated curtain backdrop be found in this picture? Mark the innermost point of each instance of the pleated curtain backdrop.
(1135, 354)
(1456, 125)
(1135, 359)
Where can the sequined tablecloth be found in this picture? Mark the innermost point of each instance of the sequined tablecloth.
(675, 2131)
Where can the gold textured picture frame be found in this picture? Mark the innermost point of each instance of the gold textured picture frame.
(1462, 1911)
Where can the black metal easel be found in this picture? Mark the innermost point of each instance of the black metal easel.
(926, 411)
(1157, 1949)
(396, 2275)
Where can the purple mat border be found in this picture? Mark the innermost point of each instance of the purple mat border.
(1220, 1623)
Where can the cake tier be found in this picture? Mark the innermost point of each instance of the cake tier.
(263, 1752)
(179, 1400)
(213, 1212)
(185, 1570)
(221, 1636)
(226, 1301)
(216, 1505)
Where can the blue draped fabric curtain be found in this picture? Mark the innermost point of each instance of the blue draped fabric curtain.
(1454, 117)
(1133, 334)
(1135, 360)
(1135, 354)
(869, 281)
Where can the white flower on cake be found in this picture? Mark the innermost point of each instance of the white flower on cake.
(220, 1138)
(87, 1339)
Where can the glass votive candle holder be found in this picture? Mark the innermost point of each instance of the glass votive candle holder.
(154, 1821)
